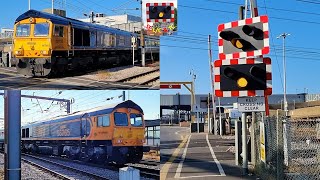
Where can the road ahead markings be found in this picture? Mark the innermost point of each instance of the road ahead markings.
(177, 175)
(215, 158)
(178, 171)
(166, 166)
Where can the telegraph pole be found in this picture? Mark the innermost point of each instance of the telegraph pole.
(210, 122)
(143, 61)
(91, 17)
(285, 103)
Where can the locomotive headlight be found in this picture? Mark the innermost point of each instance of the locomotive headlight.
(119, 141)
(18, 52)
(44, 52)
(32, 20)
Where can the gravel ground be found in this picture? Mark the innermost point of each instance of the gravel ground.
(117, 73)
(27, 171)
(145, 78)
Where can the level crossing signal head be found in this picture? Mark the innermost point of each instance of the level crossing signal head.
(244, 38)
(160, 12)
(242, 77)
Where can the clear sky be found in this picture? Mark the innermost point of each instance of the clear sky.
(36, 110)
(197, 19)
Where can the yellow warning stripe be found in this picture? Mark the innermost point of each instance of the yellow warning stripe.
(165, 168)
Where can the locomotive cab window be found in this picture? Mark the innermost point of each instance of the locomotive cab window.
(41, 29)
(27, 132)
(58, 31)
(136, 120)
(23, 30)
(103, 121)
(120, 119)
(23, 133)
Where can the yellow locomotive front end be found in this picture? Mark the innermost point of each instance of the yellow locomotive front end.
(128, 133)
(32, 46)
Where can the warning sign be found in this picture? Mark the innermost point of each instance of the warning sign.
(251, 104)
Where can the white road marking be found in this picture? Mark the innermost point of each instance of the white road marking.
(178, 171)
(179, 168)
(209, 175)
(215, 158)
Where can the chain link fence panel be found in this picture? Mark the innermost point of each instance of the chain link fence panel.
(291, 146)
(302, 149)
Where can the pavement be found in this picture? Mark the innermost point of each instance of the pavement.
(197, 156)
(10, 79)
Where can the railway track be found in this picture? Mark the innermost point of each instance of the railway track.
(147, 79)
(148, 169)
(65, 168)
(144, 78)
(61, 170)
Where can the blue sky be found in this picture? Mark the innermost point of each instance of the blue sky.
(35, 110)
(75, 8)
(194, 24)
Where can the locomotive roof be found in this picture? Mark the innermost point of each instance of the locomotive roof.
(56, 19)
(92, 112)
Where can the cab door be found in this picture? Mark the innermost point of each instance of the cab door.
(85, 126)
(60, 40)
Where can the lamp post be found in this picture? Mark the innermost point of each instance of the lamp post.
(283, 36)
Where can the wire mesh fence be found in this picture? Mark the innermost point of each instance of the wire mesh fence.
(291, 148)
(302, 149)
(268, 154)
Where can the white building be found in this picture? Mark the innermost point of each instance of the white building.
(125, 21)
(6, 33)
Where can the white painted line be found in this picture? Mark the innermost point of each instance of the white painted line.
(210, 175)
(178, 171)
(215, 158)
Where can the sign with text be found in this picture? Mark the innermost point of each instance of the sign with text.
(251, 104)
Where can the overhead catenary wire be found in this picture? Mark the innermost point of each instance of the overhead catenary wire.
(271, 17)
(275, 52)
(270, 8)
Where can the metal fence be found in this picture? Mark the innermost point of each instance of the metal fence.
(302, 149)
(292, 148)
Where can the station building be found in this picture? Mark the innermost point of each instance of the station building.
(124, 22)
(180, 104)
